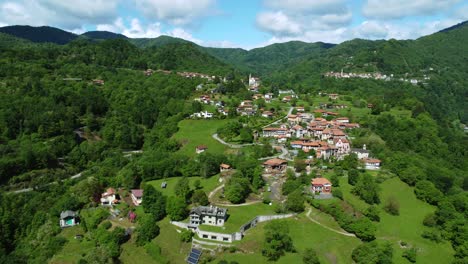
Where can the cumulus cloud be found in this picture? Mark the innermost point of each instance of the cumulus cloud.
(136, 29)
(285, 19)
(278, 23)
(176, 12)
(71, 16)
(391, 9)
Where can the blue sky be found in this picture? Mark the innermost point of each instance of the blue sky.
(243, 23)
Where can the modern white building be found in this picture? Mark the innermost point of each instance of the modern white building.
(207, 215)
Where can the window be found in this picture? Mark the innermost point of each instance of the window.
(213, 237)
(225, 238)
(205, 236)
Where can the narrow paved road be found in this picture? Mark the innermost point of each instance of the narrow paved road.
(213, 192)
(30, 189)
(279, 120)
(329, 228)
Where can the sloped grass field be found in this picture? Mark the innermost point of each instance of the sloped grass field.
(199, 132)
(330, 247)
(207, 184)
(406, 227)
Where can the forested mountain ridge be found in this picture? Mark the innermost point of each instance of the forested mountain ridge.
(40, 34)
(103, 35)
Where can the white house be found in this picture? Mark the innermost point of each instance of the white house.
(371, 164)
(137, 196)
(207, 215)
(109, 197)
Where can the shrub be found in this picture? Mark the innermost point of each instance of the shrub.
(338, 194)
(106, 224)
(432, 235)
(392, 206)
(186, 236)
(410, 254)
(373, 213)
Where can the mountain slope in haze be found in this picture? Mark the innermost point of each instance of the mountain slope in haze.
(103, 35)
(270, 58)
(40, 34)
(158, 41)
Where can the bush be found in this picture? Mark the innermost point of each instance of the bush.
(295, 201)
(373, 213)
(106, 224)
(338, 193)
(373, 252)
(410, 254)
(310, 257)
(392, 206)
(430, 220)
(186, 236)
(432, 235)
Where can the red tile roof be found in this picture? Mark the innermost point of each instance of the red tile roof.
(320, 181)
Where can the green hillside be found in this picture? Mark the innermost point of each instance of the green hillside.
(40, 34)
(103, 35)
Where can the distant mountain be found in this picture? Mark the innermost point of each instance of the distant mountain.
(103, 35)
(40, 34)
(158, 41)
(270, 58)
(7, 40)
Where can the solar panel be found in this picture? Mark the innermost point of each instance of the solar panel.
(193, 255)
(192, 260)
(194, 250)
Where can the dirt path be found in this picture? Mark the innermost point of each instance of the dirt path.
(329, 228)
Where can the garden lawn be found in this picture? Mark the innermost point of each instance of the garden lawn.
(405, 227)
(74, 249)
(207, 184)
(199, 132)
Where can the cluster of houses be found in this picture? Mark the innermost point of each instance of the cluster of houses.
(246, 108)
(372, 75)
(327, 138)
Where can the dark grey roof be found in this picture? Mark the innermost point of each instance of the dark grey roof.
(68, 213)
(358, 150)
(209, 210)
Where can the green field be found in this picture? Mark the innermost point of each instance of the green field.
(207, 184)
(74, 249)
(407, 226)
(198, 132)
(331, 247)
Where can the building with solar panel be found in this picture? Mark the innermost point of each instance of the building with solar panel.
(207, 215)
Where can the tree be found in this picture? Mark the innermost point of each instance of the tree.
(237, 189)
(199, 197)
(146, 231)
(353, 176)
(392, 206)
(197, 184)
(296, 201)
(182, 188)
(367, 189)
(374, 252)
(364, 229)
(426, 191)
(176, 208)
(277, 240)
(372, 212)
(154, 202)
(300, 165)
(335, 181)
(337, 193)
(310, 256)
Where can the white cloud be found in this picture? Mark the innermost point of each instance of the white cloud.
(277, 23)
(134, 30)
(370, 30)
(462, 13)
(181, 33)
(285, 19)
(391, 9)
(71, 16)
(308, 6)
(176, 12)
